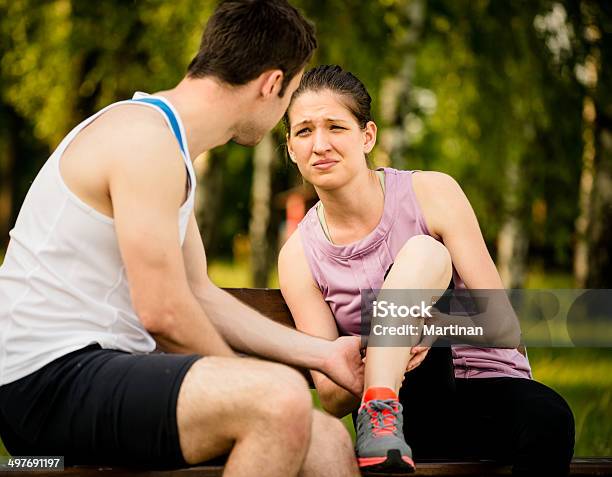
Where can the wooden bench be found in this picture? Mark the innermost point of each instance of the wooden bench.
(271, 303)
(579, 467)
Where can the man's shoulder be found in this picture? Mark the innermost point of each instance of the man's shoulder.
(133, 124)
(132, 135)
(126, 141)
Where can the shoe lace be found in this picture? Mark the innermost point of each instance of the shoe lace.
(383, 415)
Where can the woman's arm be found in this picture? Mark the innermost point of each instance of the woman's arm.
(449, 217)
(312, 316)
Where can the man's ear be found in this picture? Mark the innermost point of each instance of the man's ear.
(369, 137)
(271, 82)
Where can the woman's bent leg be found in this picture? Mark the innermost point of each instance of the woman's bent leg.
(423, 263)
(519, 421)
(428, 399)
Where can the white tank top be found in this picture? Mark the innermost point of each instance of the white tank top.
(63, 284)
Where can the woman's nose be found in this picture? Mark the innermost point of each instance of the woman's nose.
(321, 142)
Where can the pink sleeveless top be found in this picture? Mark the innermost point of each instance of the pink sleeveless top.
(341, 271)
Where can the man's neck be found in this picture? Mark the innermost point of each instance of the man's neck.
(208, 110)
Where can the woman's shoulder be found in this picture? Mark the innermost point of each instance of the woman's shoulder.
(438, 195)
(292, 249)
(293, 267)
(432, 178)
(424, 179)
(434, 185)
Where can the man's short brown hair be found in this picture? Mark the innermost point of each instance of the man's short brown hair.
(244, 38)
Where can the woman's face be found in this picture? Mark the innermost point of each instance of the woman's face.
(325, 140)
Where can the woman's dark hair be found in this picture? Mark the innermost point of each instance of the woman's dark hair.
(334, 78)
(244, 38)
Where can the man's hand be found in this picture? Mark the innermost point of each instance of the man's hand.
(418, 354)
(344, 365)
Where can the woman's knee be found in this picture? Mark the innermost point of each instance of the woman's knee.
(428, 251)
(550, 429)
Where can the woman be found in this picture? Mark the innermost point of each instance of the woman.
(391, 229)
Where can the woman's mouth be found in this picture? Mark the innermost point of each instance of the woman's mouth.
(324, 164)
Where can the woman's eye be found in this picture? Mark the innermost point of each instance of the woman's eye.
(302, 132)
(336, 127)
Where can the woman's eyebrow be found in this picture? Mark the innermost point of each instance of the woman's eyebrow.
(327, 120)
(301, 123)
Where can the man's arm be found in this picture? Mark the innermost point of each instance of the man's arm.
(147, 186)
(248, 331)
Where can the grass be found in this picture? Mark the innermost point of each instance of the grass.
(538, 279)
(228, 274)
(582, 376)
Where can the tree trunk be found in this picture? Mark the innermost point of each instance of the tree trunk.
(512, 241)
(396, 102)
(592, 257)
(587, 178)
(208, 201)
(600, 231)
(7, 161)
(260, 211)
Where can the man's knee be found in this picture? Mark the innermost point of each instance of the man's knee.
(331, 449)
(251, 387)
(287, 395)
(224, 400)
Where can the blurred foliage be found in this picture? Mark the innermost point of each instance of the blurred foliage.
(487, 89)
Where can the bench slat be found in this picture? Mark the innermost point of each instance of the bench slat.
(267, 301)
(594, 466)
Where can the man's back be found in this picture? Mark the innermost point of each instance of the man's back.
(63, 284)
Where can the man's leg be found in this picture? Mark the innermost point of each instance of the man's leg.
(261, 414)
(258, 412)
(331, 452)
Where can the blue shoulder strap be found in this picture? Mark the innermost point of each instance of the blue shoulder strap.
(169, 114)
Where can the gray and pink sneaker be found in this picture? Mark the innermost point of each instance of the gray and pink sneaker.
(380, 436)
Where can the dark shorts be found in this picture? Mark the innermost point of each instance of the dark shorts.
(97, 406)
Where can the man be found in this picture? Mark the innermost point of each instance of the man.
(105, 263)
